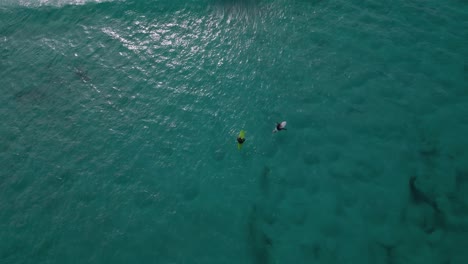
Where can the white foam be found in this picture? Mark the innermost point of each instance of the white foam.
(38, 3)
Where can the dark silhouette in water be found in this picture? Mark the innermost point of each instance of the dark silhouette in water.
(30, 95)
(389, 253)
(418, 197)
(258, 242)
(82, 74)
(461, 178)
(264, 181)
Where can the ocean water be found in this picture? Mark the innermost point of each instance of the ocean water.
(119, 122)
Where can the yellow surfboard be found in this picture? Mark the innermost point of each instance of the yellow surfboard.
(242, 136)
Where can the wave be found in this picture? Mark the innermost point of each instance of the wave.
(56, 3)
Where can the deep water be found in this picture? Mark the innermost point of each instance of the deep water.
(119, 122)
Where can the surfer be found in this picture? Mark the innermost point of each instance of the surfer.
(280, 126)
(240, 139)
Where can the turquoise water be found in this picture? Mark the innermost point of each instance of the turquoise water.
(119, 124)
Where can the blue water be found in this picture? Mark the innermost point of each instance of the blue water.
(119, 122)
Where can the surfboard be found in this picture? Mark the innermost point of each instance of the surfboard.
(282, 125)
(241, 135)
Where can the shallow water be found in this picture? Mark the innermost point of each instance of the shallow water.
(119, 121)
